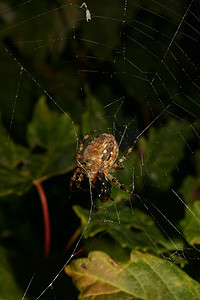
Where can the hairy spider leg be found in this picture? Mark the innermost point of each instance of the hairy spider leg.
(78, 181)
(80, 178)
(125, 155)
(118, 184)
(73, 178)
(79, 152)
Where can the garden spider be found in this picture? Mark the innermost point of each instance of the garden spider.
(97, 161)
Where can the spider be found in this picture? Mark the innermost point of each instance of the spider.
(96, 161)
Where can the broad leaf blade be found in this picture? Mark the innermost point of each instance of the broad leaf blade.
(11, 154)
(56, 133)
(52, 135)
(94, 115)
(190, 191)
(9, 289)
(154, 158)
(50, 129)
(13, 181)
(132, 229)
(14, 173)
(190, 225)
(144, 276)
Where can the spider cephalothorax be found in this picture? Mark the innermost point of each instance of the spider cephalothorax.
(97, 161)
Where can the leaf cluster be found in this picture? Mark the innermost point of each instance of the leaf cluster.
(143, 263)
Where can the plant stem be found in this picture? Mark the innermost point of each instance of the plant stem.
(45, 211)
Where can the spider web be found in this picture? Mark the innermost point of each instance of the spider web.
(140, 61)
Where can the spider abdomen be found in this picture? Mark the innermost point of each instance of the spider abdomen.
(96, 161)
(101, 153)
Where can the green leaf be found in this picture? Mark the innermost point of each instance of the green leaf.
(94, 115)
(132, 229)
(170, 146)
(11, 154)
(56, 133)
(50, 129)
(190, 225)
(9, 290)
(15, 177)
(144, 276)
(13, 181)
(154, 158)
(52, 139)
(190, 189)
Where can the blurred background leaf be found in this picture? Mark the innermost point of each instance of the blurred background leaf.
(9, 288)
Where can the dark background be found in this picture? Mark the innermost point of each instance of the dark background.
(150, 60)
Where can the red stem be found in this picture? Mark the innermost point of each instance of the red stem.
(45, 211)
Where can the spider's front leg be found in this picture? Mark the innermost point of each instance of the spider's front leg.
(78, 177)
(117, 167)
(81, 179)
(73, 178)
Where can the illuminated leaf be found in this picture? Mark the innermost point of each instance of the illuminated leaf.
(144, 276)
(132, 229)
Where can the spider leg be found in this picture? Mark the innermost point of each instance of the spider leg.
(78, 181)
(78, 170)
(78, 178)
(125, 155)
(116, 168)
(118, 184)
(79, 156)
